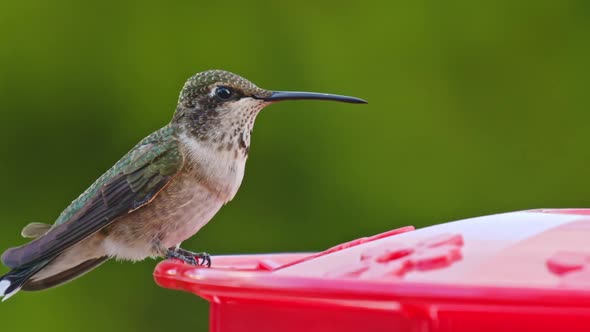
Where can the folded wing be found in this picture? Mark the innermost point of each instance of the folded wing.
(133, 182)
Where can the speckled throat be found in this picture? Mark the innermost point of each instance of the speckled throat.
(225, 128)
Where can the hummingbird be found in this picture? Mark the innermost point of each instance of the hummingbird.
(159, 194)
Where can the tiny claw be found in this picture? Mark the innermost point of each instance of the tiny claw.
(189, 257)
(191, 260)
(205, 259)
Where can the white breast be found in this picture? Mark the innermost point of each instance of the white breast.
(219, 175)
(221, 171)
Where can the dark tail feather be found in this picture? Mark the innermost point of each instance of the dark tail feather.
(63, 276)
(20, 278)
(12, 282)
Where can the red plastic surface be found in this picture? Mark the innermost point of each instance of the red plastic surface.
(526, 271)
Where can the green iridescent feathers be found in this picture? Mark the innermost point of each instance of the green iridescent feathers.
(157, 156)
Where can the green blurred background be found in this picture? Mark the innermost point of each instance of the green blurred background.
(475, 108)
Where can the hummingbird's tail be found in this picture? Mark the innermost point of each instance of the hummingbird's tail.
(14, 280)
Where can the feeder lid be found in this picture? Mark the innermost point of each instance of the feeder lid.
(518, 257)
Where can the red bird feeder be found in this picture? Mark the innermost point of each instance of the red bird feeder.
(520, 271)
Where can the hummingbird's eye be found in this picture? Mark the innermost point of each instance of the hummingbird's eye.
(223, 92)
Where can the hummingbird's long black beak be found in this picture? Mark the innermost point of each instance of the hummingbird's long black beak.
(294, 95)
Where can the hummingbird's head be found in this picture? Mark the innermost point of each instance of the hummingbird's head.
(221, 107)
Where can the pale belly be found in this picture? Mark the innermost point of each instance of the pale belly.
(176, 214)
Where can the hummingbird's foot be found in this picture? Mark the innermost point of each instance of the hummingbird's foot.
(171, 253)
(203, 256)
(189, 257)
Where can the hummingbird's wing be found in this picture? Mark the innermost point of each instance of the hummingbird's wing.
(133, 182)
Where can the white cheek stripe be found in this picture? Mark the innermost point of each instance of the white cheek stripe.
(212, 92)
